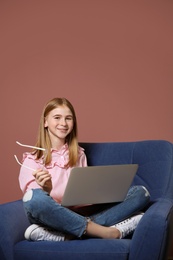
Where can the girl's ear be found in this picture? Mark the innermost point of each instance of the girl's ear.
(45, 123)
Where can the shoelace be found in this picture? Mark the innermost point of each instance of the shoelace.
(49, 234)
(126, 230)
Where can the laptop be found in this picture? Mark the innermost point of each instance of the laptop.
(98, 184)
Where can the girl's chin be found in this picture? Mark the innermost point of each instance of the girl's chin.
(62, 136)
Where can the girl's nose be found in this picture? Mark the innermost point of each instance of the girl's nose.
(63, 121)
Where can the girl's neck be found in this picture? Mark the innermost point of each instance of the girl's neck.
(58, 144)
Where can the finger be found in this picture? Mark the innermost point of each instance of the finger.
(36, 172)
(40, 172)
(41, 177)
(45, 182)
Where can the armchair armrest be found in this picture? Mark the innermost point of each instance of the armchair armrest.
(13, 223)
(150, 238)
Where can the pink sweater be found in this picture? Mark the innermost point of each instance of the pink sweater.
(57, 169)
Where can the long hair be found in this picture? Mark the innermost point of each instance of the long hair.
(43, 138)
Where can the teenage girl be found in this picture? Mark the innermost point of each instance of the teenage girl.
(43, 178)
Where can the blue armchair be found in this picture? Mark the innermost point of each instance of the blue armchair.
(151, 238)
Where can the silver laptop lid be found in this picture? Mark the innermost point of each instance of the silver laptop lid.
(98, 184)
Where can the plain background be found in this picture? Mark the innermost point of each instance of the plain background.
(112, 59)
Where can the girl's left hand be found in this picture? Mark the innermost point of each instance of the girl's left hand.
(44, 179)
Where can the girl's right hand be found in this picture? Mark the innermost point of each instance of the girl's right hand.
(44, 179)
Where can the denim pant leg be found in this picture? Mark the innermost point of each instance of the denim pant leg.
(137, 198)
(43, 210)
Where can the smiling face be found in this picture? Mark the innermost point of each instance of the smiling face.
(59, 123)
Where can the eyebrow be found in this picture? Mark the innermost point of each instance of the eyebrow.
(61, 115)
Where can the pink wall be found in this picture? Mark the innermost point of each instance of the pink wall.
(112, 59)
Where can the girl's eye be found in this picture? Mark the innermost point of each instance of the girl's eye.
(69, 118)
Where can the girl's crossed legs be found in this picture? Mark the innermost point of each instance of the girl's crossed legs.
(41, 209)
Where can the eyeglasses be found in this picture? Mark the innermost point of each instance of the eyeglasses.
(33, 147)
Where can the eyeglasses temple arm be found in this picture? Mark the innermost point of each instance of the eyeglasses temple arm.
(22, 164)
(30, 146)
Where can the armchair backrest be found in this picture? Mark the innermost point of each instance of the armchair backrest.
(155, 160)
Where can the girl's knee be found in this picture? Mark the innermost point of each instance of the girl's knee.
(143, 191)
(28, 196)
(140, 195)
(147, 194)
(138, 190)
(144, 195)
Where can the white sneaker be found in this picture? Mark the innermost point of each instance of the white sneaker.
(37, 233)
(127, 226)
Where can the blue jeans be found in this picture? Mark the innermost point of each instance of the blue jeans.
(42, 209)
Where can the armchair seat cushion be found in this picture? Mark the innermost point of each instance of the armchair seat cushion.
(92, 249)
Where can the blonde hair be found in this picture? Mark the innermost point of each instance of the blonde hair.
(43, 138)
